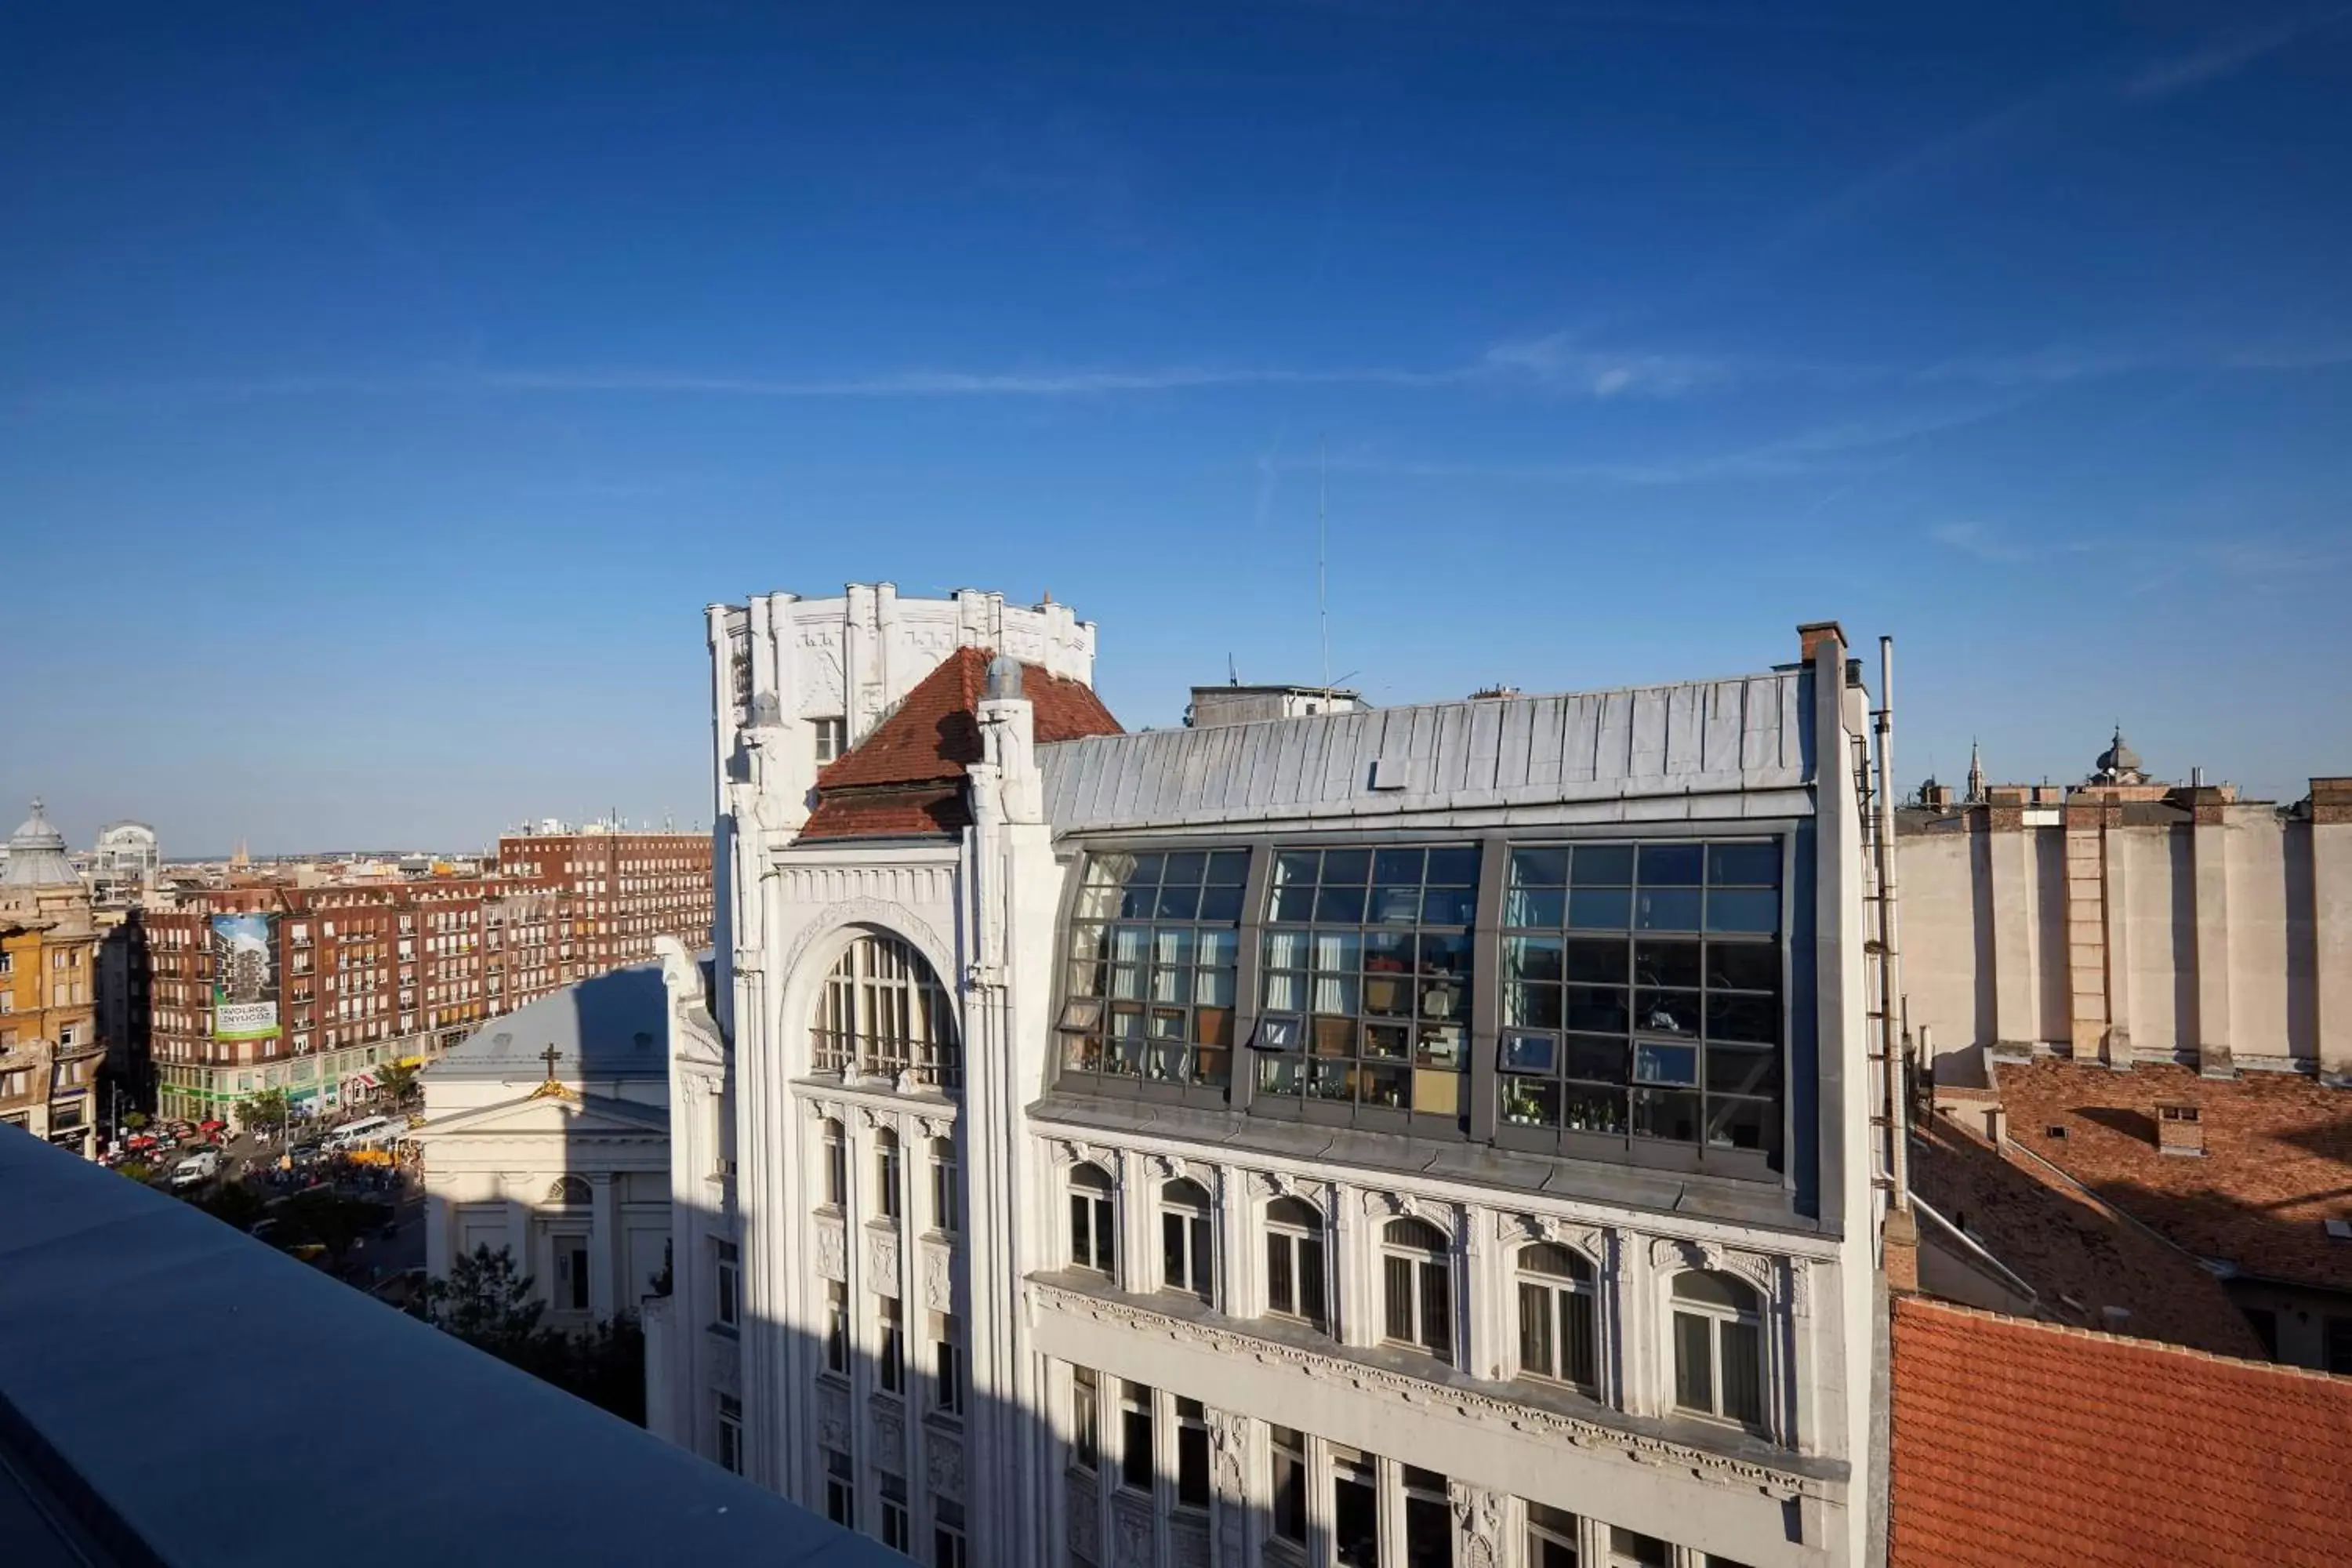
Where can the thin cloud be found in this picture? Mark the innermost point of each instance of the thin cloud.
(1560, 361)
(2225, 56)
(1854, 448)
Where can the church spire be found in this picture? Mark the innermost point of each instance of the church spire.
(1976, 772)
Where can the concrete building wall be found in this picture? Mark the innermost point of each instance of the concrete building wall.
(2218, 942)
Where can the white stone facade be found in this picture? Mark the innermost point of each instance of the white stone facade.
(1207, 1399)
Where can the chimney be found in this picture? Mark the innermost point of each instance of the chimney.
(1899, 1251)
(2178, 1128)
(1811, 635)
(1997, 1127)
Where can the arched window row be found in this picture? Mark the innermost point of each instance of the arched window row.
(883, 1013)
(1712, 1337)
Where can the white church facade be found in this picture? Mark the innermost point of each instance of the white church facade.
(1430, 1135)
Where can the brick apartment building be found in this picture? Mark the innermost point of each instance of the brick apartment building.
(344, 979)
(619, 892)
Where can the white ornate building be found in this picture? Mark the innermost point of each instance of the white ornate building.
(1434, 1135)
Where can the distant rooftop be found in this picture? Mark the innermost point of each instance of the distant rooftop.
(614, 1025)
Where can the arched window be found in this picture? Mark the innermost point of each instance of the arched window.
(1092, 1240)
(1556, 1318)
(1417, 1279)
(1294, 1262)
(1187, 1241)
(887, 1171)
(882, 1013)
(1718, 1347)
(570, 1193)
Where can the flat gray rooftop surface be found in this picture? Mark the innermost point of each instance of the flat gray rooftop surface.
(196, 1398)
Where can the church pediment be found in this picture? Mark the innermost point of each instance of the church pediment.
(567, 1114)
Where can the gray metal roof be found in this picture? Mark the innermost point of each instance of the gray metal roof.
(36, 856)
(136, 1391)
(594, 1024)
(1742, 735)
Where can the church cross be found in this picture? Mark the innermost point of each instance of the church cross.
(551, 1056)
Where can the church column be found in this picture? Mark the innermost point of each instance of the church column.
(605, 1249)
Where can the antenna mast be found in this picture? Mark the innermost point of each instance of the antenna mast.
(1322, 540)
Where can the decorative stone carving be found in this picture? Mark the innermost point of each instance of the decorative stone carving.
(889, 1427)
(1478, 1524)
(1379, 1203)
(818, 667)
(935, 1127)
(1668, 1253)
(882, 1262)
(1188, 1543)
(1068, 1152)
(943, 1463)
(1166, 1167)
(874, 1119)
(1229, 1472)
(1800, 1287)
(1131, 1519)
(889, 914)
(1086, 1518)
(1503, 1413)
(832, 1418)
(1272, 1183)
(831, 1254)
(1591, 1240)
(938, 1281)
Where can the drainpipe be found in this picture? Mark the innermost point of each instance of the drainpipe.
(1890, 959)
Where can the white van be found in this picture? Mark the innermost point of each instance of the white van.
(358, 1134)
(201, 1166)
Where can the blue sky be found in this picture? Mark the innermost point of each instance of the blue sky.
(384, 390)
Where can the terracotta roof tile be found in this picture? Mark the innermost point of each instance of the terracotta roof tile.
(2277, 1161)
(888, 813)
(905, 778)
(2065, 1242)
(2023, 1445)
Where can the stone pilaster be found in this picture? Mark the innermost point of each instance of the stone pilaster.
(2331, 922)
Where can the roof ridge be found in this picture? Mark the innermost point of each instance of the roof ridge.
(1911, 1302)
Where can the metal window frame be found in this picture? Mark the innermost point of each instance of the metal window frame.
(1801, 1145)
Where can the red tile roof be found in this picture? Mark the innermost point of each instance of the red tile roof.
(2065, 1243)
(905, 778)
(2277, 1160)
(2023, 1445)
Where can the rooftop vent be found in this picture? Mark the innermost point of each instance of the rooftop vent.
(2054, 1131)
(2341, 1229)
(2178, 1128)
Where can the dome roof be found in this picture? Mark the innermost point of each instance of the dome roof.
(36, 856)
(2118, 758)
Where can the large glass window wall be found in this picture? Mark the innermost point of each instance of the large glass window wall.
(1154, 948)
(1641, 992)
(1622, 991)
(1368, 975)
